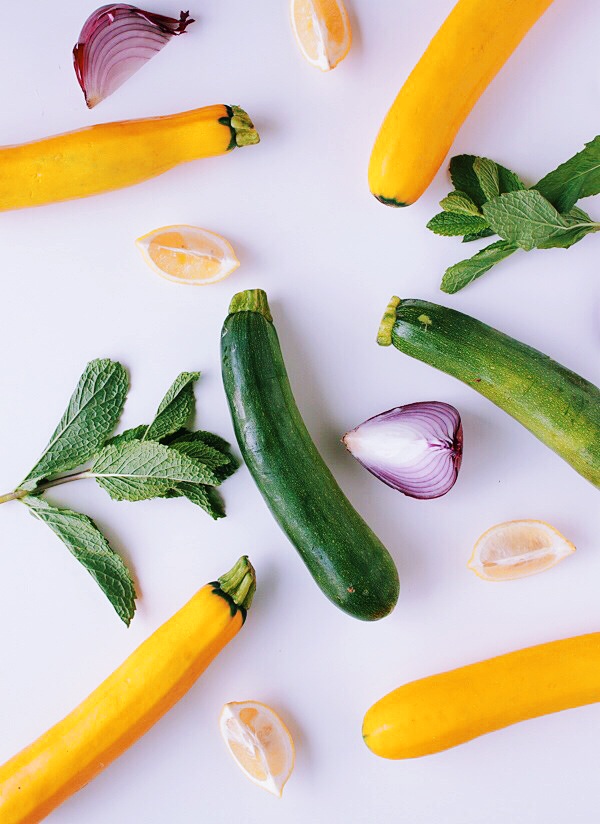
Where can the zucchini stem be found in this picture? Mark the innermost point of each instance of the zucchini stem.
(240, 583)
(384, 335)
(252, 300)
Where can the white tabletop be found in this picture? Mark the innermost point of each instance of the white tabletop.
(298, 211)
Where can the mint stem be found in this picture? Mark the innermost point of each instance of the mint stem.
(63, 479)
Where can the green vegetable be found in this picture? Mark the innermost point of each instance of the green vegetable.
(160, 460)
(347, 561)
(490, 199)
(558, 406)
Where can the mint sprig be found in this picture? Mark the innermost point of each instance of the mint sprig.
(164, 459)
(491, 199)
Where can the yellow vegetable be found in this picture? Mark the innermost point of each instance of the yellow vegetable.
(113, 155)
(128, 703)
(469, 49)
(439, 712)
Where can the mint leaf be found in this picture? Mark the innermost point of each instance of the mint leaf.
(460, 203)
(196, 449)
(477, 235)
(135, 434)
(580, 224)
(139, 470)
(576, 178)
(85, 541)
(176, 408)
(92, 414)
(464, 178)
(461, 274)
(525, 218)
(205, 497)
(486, 172)
(450, 224)
(508, 181)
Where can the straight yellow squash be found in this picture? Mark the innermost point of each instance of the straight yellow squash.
(444, 710)
(154, 677)
(469, 49)
(114, 155)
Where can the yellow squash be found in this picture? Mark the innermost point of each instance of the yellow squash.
(114, 155)
(469, 49)
(441, 711)
(154, 677)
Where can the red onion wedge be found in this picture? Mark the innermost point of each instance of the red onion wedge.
(416, 449)
(115, 42)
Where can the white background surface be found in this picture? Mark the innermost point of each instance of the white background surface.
(298, 210)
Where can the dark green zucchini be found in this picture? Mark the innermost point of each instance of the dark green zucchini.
(348, 562)
(558, 406)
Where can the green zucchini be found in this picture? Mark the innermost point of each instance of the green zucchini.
(558, 406)
(347, 561)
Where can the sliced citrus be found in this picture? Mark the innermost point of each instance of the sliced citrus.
(518, 548)
(259, 742)
(187, 254)
(322, 29)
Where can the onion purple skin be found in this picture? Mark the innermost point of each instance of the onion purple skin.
(115, 41)
(433, 473)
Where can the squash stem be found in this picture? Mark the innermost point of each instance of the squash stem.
(240, 583)
(384, 335)
(252, 300)
(243, 128)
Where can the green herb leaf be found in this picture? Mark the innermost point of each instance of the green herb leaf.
(135, 434)
(460, 203)
(92, 414)
(461, 274)
(580, 224)
(176, 408)
(576, 178)
(478, 235)
(140, 470)
(85, 541)
(525, 218)
(486, 172)
(205, 497)
(508, 181)
(450, 224)
(196, 449)
(464, 178)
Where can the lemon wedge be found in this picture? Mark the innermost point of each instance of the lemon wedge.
(323, 32)
(515, 549)
(188, 254)
(259, 742)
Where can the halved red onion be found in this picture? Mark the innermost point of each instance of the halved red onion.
(416, 449)
(115, 42)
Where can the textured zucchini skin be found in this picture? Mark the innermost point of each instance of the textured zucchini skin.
(558, 406)
(348, 562)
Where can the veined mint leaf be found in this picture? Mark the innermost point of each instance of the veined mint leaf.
(139, 470)
(580, 224)
(525, 218)
(223, 471)
(209, 438)
(196, 449)
(461, 274)
(135, 434)
(508, 181)
(85, 541)
(477, 235)
(176, 408)
(464, 178)
(91, 416)
(451, 224)
(486, 172)
(204, 496)
(577, 177)
(460, 203)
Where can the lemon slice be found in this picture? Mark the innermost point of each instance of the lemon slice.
(518, 548)
(259, 742)
(187, 254)
(323, 32)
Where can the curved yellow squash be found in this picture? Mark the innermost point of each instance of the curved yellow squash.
(439, 712)
(466, 53)
(128, 703)
(114, 155)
